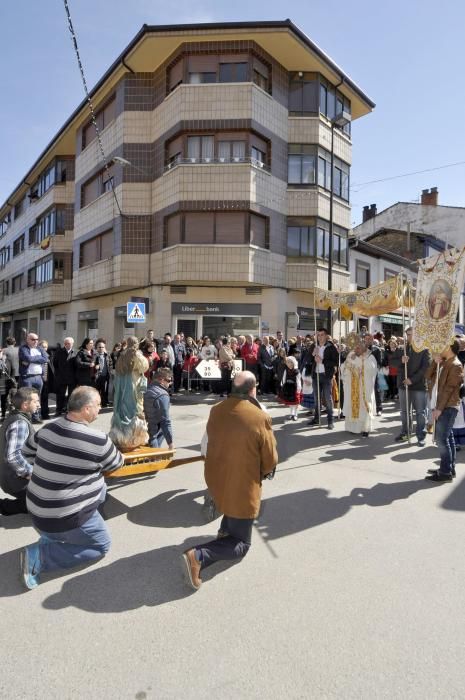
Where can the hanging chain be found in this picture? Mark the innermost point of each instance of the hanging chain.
(89, 101)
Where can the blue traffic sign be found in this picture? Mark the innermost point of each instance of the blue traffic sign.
(135, 312)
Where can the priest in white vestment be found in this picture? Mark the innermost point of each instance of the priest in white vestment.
(359, 375)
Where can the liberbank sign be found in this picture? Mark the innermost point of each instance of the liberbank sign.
(178, 309)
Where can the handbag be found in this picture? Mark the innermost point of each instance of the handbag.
(382, 383)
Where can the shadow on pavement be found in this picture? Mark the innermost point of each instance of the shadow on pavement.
(456, 499)
(147, 579)
(177, 508)
(295, 512)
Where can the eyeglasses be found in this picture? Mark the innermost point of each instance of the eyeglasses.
(34, 339)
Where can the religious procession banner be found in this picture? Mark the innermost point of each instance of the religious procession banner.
(373, 301)
(439, 286)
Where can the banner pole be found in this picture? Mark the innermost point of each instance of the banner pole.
(314, 355)
(405, 355)
(339, 367)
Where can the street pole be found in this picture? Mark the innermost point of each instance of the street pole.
(331, 240)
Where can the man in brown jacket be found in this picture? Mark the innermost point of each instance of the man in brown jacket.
(241, 452)
(446, 407)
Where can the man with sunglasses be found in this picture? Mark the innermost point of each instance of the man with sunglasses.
(32, 360)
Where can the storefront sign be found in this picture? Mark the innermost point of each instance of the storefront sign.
(87, 315)
(178, 309)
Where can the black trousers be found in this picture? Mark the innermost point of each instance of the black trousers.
(13, 506)
(3, 400)
(266, 380)
(234, 544)
(225, 384)
(177, 377)
(44, 412)
(60, 391)
(101, 384)
(378, 397)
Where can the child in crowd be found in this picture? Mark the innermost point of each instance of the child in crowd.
(291, 387)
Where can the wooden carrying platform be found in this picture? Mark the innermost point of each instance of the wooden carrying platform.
(145, 460)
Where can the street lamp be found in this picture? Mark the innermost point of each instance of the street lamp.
(339, 121)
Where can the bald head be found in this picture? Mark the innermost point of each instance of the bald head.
(244, 384)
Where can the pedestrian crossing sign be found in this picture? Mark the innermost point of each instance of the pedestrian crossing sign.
(135, 312)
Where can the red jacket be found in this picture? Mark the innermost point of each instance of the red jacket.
(249, 353)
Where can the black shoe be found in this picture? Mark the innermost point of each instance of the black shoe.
(330, 426)
(436, 471)
(365, 434)
(439, 476)
(314, 422)
(342, 417)
(401, 438)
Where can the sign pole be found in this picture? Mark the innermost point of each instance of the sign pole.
(314, 355)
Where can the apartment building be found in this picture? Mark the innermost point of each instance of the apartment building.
(215, 204)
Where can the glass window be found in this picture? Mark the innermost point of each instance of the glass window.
(258, 156)
(238, 151)
(323, 94)
(362, 275)
(293, 241)
(343, 251)
(301, 168)
(200, 148)
(197, 78)
(294, 169)
(233, 72)
(260, 80)
(320, 242)
(303, 95)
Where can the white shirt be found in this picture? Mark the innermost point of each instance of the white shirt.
(34, 368)
(320, 365)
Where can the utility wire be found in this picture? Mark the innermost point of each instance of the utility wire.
(415, 172)
(91, 107)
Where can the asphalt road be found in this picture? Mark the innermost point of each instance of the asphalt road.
(353, 588)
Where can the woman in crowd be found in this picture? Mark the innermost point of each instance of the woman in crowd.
(279, 365)
(85, 364)
(115, 353)
(391, 378)
(151, 355)
(290, 392)
(128, 426)
(190, 361)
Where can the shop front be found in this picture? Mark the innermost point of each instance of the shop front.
(391, 324)
(198, 319)
(88, 325)
(307, 319)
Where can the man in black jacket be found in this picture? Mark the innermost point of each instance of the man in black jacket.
(417, 364)
(65, 369)
(325, 359)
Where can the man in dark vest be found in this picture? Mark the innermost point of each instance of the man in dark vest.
(17, 450)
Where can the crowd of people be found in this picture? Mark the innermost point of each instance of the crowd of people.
(351, 379)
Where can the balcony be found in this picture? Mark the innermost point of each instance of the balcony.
(114, 274)
(217, 161)
(305, 276)
(214, 264)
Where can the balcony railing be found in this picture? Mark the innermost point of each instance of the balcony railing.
(217, 161)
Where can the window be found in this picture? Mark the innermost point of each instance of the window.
(231, 151)
(17, 283)
(233, 72)
(389, 274)
(4, 256)
(310, 238)
(362, 275)
(51, 224)
(301, 164)
(45, 314)
(96, 186)
(44, 272)
(208, 228)
(103, 119)
(261, 74)
(303, 94)
(341, 174)
(332, 103)
(6, 288)
(31, 276)
(96, 249)
(18, 245)
(53, 174)
(206, 77)
(258, 156)
(200, 149)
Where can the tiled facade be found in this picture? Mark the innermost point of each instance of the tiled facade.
(147, 114)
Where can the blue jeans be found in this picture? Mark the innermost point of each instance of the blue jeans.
(35, 382)
(63, 550)
(445, 439)
(325, 393)
(157, 439)
(417, 401)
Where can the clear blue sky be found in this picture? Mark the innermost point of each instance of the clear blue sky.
(408, 56)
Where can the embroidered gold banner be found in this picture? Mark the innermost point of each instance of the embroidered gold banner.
(379, 299)
(439, 286)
